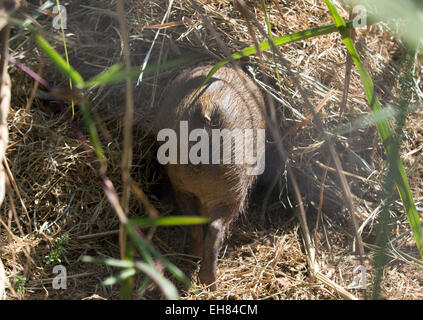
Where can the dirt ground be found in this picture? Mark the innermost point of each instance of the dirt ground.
(56, 211)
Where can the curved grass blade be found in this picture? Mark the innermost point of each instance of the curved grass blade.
(269, 32)
(167, 287)
(384, 131)
(92, 131)
(60, 63)
(76, 78)
(370, 120)
(109, 261)
(169, 221)
(293, 37)
(174, 270)
(123, 275)
(65, 47)
(105, 76)
(130, 269)
(146, 250)
(116, 74)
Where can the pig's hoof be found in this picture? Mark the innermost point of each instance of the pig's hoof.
(208, 278)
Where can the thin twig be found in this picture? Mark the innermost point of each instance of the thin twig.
(18, 194)
(3, 282)
(127, 125)
(5, 96)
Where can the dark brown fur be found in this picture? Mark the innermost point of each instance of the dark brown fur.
(229, 100)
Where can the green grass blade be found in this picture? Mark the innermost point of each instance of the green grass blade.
(370, 120)
(123, 275)
(105, 76)
(384, 226)
(109, 261)
(115, 74)
(385, 133)
(130, 269)
(65, 48)
(76, 78)
(169, 221)
(127, 282)
(146, 250)
(297, 36)
(174, 270)
(60, 63)
(92, 132)
(167, 287)
(266, 17)
(269, 32)
(139, 244)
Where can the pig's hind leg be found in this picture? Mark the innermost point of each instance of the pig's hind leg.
(212, 243)
(189, 206)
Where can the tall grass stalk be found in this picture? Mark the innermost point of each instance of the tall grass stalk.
(396, 174)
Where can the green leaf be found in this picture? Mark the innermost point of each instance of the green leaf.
(169, 221)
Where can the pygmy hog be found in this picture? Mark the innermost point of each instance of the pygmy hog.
(212, 146)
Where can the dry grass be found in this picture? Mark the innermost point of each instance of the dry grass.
(264, 257)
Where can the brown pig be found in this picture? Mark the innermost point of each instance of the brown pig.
(212, 146)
